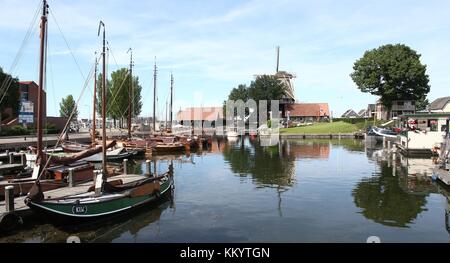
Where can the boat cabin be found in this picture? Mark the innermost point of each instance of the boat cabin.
(423, 132)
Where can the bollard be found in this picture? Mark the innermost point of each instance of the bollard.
(71, 179)
(23, 160)
(389, 145)
(384, 142)
(9, 198)
(171, 169)
(125, 166)
(11, 158)
(148, 165)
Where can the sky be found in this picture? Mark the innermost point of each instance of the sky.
(213, 46)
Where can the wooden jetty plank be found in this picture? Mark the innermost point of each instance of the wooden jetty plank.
(19, 204)
(443, 175)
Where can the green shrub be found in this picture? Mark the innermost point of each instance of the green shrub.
(51, 128)
(14, 130)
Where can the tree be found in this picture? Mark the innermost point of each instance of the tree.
(67, 106)
(265, 87)
(117, 95)
(99, 96)
(393, 72)
(239, 93)
(268, 88)
(422, 103)
(9, 93)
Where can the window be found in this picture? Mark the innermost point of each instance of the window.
(413, 102)
(400, 103)
(433, 125)
(23, 92)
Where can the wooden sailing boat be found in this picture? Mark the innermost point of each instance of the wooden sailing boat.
(106, 198)
(49, 179)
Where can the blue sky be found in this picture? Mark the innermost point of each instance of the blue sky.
(212, 46)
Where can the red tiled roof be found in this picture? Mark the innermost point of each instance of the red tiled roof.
(200, 114)
(27, 82)
(309, 109)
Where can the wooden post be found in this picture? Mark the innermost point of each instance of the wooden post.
(9, 198)
(148, 165)
(389, 145)
(125, 166)
(171, 169)
(71, 179)
(384, 142)
(7, 153)
(23, 160)
(11, 158)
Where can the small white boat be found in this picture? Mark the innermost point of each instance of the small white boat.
(232, 134)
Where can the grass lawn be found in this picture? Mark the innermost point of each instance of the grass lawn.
(326, 128)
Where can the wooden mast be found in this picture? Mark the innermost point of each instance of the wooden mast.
(171, 100)
(154, 98)
(104, 171)
(94, 102)
(41, 80)
(130, 101)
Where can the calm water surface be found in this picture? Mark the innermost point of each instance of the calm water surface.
(299, 191)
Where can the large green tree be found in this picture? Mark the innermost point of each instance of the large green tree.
(393, 72)
(117, 95)
(239, 93)
(9, 93)
(265, 87)
(67, 106)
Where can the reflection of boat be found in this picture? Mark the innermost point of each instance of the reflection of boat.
(232, 134)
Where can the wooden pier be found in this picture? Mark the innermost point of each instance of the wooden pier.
(22, 211)
(442, 175)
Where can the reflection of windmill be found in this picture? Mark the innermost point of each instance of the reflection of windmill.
(287, 79)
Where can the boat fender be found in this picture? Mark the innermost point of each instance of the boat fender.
(10, 221)
(157, 194)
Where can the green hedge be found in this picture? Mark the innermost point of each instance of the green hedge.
(18, 130)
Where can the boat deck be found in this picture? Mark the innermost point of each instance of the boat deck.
(4, 168)
(443, 175)
(21, 208)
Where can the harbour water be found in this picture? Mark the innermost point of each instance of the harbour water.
(299, 191)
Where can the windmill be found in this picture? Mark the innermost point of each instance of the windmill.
(287, 79)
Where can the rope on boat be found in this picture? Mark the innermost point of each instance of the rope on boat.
(86, 83)
(31, 29)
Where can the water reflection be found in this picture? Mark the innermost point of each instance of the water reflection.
(383, 200)
(290, 190)
(267, 166)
